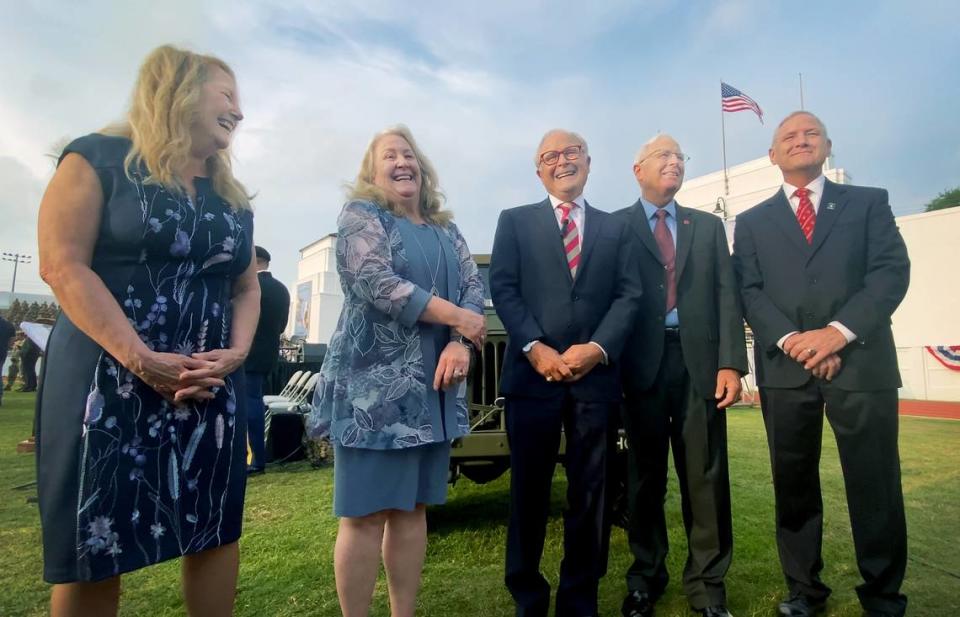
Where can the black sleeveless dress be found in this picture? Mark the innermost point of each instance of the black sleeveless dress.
(126, 479)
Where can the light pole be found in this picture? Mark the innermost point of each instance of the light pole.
(17, 259)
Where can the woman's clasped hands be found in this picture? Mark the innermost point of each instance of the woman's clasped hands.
(179, 378)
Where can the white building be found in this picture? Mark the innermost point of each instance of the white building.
(316, 297)
(927, 316)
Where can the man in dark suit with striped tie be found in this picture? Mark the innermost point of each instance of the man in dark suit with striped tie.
(682, 370)
(565, 286)
(821, 268)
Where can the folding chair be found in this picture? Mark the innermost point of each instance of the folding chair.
(297, 380)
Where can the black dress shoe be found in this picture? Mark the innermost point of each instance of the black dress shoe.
(253, 471)
(713, 611)
(799, 605)
(638, 604)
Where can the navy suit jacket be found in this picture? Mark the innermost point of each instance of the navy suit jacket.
(537, 299)
(856, 272)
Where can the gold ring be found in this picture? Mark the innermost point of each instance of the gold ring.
(811, 351)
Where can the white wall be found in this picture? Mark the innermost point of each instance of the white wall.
(930, 313)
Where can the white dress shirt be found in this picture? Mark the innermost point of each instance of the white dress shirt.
(578, 213)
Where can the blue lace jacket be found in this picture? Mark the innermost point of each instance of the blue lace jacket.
(373, 390)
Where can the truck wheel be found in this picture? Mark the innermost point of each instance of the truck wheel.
(486, 472)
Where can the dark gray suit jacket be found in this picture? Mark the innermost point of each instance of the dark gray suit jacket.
(711, 322)
(856, 272)
(537, 299)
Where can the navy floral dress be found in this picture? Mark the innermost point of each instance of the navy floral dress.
(125, 478)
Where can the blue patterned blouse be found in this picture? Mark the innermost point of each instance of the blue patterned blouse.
(374, 391)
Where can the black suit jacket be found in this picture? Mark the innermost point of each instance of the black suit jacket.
(274, 311)
(856, 272)
(537, 299)
(711, 322)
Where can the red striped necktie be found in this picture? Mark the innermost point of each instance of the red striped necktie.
(571, 237)
(661, 233)
(805, 214)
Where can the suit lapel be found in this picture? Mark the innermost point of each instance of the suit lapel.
(782, 214)
(685, 225)
(641, 227)
(831, 204)
(546, 228)
(588, 236)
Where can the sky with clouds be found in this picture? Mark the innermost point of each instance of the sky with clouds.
(478, 84)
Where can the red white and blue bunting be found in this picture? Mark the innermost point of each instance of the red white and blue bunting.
(947, 355)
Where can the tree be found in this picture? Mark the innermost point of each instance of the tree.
(33, 311)
(946, 199)
(15, 312)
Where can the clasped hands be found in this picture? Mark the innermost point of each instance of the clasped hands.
(817, 351)
(180, 378)
(571, 365)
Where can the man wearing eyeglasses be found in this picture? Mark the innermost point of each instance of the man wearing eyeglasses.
(681, 370)
(821, 268)
(565, 286)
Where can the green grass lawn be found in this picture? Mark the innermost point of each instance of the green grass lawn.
(287, 548)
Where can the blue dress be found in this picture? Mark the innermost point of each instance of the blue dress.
(126, 479)
(371, 480)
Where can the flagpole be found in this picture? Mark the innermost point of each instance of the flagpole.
(723, 143)
(801, 90)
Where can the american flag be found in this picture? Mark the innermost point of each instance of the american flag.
(734, 100)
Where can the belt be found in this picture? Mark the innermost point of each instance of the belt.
(671, 334)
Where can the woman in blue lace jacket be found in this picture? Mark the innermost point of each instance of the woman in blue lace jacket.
(391, 394)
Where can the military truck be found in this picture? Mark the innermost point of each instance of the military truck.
(484, 455)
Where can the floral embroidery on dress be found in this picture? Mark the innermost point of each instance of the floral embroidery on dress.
(155, 476)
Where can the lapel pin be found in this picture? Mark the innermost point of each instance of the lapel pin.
(831, 206)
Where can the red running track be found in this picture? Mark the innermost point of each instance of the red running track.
(930, 409)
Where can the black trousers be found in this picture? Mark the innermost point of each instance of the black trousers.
(865, 425)
(533, 430)
(28, 371)
(673, 413)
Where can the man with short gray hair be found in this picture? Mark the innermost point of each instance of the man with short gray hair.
(681, 370)
(821, 268)
(564, 285)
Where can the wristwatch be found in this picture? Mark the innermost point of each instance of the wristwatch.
(464, 341)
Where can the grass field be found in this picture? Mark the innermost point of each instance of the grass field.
(287, 547)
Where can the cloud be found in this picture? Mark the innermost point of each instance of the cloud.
(20, 192)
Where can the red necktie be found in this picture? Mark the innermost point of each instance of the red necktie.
(805, 214)
(571, 238)
(669, 253)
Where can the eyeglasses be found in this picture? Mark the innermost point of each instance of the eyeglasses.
(552, 157)
(666, 155)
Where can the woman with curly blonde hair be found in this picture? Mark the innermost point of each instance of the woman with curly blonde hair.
(391, 394)
(146, 239)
